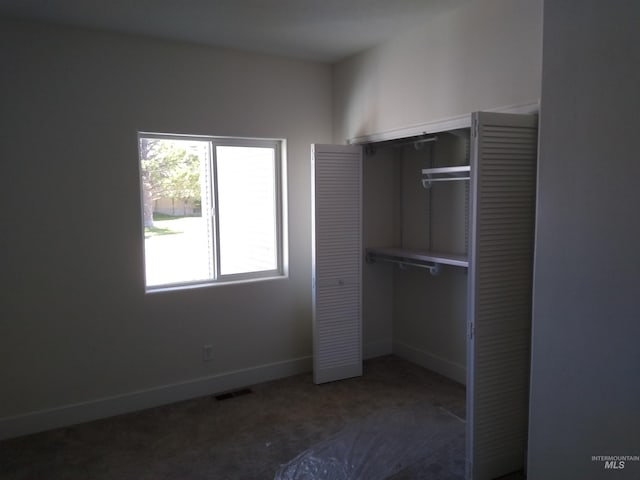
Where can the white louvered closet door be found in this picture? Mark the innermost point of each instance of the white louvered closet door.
(502, 219)
(337, 259)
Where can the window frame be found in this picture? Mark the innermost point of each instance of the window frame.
(280, 220)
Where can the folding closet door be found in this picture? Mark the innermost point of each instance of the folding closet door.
(337, 260)
(502, 216)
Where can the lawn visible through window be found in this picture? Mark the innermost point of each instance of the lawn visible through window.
(212, 209)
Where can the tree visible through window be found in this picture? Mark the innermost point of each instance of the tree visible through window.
(212, 209)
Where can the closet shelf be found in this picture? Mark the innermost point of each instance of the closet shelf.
(445, 174)
(416, 258)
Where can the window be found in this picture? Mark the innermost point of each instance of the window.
(212, 209)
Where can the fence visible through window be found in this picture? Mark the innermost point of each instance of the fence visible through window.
(212, 209)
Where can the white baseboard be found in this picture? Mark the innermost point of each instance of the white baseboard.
(425, 359)
(67, 415)
(377, 349)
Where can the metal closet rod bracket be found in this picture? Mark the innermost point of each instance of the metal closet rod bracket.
(434, 268)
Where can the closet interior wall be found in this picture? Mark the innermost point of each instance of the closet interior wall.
(380, 226)
(423, 314)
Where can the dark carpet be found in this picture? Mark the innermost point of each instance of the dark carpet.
(397, 420)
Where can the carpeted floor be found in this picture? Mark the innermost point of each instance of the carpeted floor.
(255, 435)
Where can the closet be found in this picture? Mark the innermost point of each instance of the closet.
(442, 228)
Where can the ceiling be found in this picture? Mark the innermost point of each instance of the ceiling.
(318, 30)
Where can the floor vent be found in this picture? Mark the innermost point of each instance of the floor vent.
(234, 394)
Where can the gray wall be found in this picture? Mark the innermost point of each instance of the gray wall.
(75, 323)
(486, 54)
(380, 228)
(585, 385)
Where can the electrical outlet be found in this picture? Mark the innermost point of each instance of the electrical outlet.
(207, 353)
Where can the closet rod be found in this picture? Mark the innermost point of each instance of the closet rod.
(426, 182)
(415, 143)
(434, 268)
(371, 148)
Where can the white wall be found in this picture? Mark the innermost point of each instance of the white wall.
(484, 55)
(75, 323)
(585, 393)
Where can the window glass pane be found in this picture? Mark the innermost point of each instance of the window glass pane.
(178, 243)
(247, 209)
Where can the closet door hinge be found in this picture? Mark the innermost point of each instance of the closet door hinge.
(470, 330)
